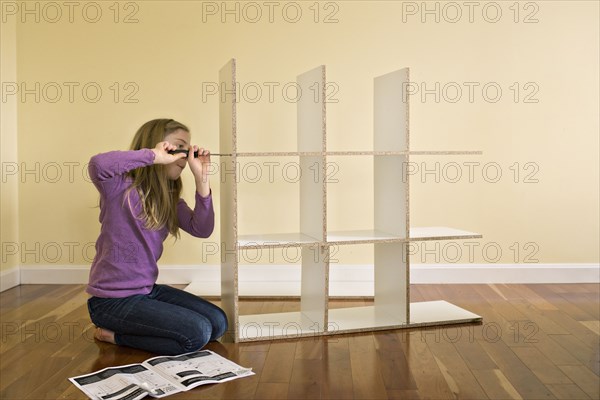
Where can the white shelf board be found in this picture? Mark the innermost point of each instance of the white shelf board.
(280, 154)
(444, 152)
(275, 240)
(370, 318)
(366, 153)
(353, 237)
(361, 236)
(356, 153)
(439, 313)
(277, 325)
(440, 233)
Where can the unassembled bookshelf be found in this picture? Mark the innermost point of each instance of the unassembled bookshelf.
(392, 308)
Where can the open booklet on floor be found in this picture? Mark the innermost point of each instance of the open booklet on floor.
(159, 376)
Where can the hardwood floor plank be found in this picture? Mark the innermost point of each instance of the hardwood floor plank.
(271, 391)
(21, 387)
(39, 307)
(291, 305)
(586, 355)
(518, 374)
(337, 376)
(403, 395)
(414, 293)
(307, 371)
(573, 288)
(556, 354)
(427, 375)
(307, 379)
(244, 388)
(338, 303)
(583, 296)
(473, 354)
(567, 392)
(428, 292)
(501, 320)
(18, 372)
(537, 321)
(526, 293)
(272, 307)
(573, 327)
(310, 348)
(496, 385)
(299, 391)
(593, 326)
(548, 292)
(366, 374)
(586, 301)
(279, 362)
(584, 378)
(455, 370)
(543, 368)
(17, 296)
(395, 370)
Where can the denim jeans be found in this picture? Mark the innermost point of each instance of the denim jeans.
(166, 321)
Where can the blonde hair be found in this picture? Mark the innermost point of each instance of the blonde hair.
(158, 194)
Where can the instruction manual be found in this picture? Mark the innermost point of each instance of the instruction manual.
(159, 376)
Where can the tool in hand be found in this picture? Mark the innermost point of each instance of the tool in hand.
(195, 153)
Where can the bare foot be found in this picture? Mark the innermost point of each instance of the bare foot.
(104, 335)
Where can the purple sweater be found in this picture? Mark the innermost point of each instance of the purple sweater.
(127, 252)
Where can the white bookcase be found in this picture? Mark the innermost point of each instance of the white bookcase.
(392, 308)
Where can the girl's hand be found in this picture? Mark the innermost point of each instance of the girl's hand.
(199, 165)
(162, 156)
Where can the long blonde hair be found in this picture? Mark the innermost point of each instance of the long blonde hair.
(158, 194)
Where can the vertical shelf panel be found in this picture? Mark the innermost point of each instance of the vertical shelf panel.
(391, 195)
(312, 197)
(391, 202)
(314, 289)
(228, 197)
(391, 131)
(311, 138)
(391, 281)
(311, 131)
(311, 110)
(390, 117)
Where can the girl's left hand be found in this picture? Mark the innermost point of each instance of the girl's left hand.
(199, 165)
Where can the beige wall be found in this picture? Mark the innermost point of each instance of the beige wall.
(9, 206)
(544, 142)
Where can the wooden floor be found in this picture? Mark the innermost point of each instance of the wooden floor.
(535, 342)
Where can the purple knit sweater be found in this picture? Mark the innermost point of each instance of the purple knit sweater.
(127, 252)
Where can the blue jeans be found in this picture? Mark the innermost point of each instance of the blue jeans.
(166, 321)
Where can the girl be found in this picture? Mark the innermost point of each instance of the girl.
(139, 207)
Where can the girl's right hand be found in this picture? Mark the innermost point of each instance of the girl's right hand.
(162, 156)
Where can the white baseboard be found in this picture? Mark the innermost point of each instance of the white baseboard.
(344, 280)
(9, 278)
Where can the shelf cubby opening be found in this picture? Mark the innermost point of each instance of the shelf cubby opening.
(388, 268)
(308, 318)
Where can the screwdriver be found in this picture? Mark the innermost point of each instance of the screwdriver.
(195, 153)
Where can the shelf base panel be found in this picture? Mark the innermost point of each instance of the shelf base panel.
(427, 313)
(292, 325)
